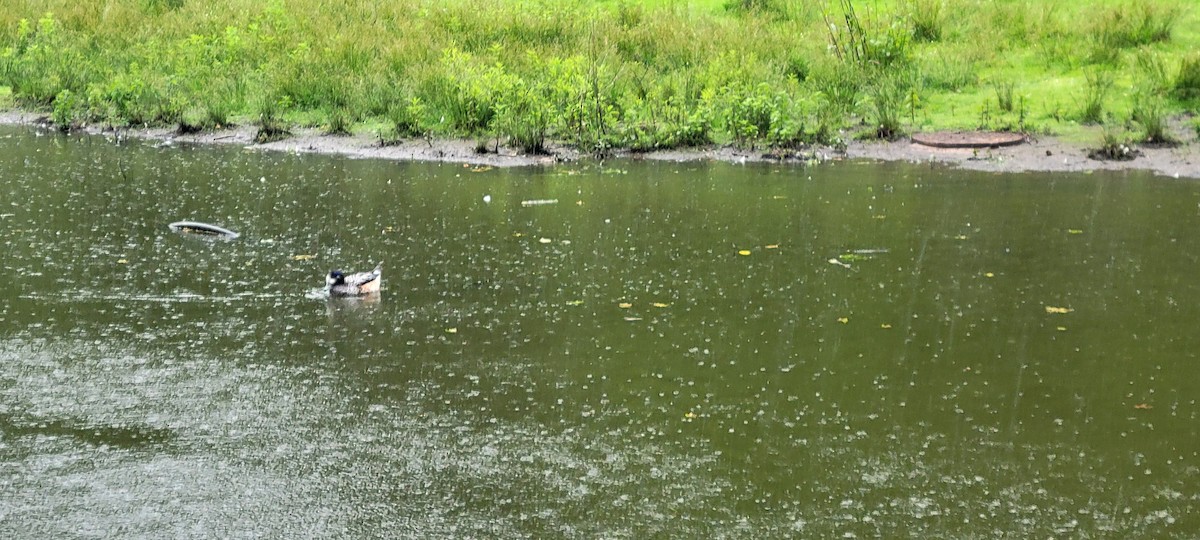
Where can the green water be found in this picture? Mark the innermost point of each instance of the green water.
(904, 352)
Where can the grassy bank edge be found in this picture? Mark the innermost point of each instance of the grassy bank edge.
(638, 86)
(1040, 154)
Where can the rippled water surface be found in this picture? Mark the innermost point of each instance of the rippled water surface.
(631, 350)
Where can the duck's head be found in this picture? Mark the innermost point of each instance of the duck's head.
(335, 277)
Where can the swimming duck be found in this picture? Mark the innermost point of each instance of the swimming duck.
(339, 283)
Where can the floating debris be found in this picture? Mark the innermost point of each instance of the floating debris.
(196, 227)
(840, 263)
(539, 202)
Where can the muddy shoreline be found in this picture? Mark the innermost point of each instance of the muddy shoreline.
(1046, 154)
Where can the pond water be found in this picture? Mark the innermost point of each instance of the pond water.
(619, 350)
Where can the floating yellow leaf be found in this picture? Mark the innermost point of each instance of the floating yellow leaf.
(575, 303)
(631, 319)
(518, 235)
(961, 237)
(772, 246)
(1074, 231)
(659, 305)
(885, 326)
(689, 415)
(1052, 309)
(303, 257)
(744, 252)
(451, 330)
(989, 274)
(544, 240)
(1061, 328)
(122, 261)
(843, 320)
(624, 305)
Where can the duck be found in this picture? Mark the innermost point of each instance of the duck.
(339, 283)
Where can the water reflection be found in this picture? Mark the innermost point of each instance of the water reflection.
(668, 350)
(340, 307)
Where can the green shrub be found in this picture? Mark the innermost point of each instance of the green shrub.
(406, 119)
(796, 67)
(68, 108)
(43, 61)
(460, 92)
(522, 114)
(134, 96)
(751, 113)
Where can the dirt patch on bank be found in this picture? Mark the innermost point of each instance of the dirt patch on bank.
(1038, 154)
(1041, 154)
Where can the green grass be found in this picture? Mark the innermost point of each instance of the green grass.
(608, 73)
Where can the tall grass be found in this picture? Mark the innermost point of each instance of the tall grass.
(927, 20)
(1187, 80)
(1098, 84)
(1149, 111)
(1135, 24)
(1131, 25)
(887, 107)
